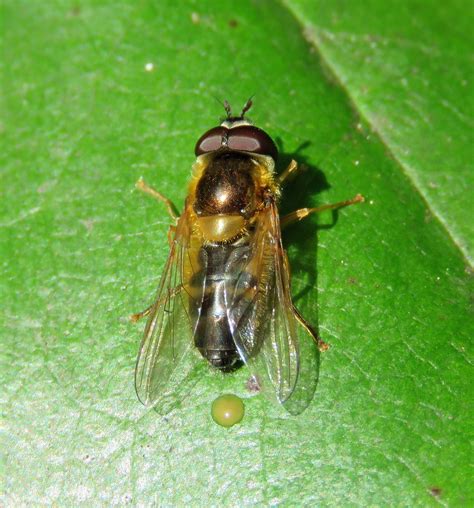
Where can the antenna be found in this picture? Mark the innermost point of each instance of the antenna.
(225, 105)
(228, 109)
(247, 106)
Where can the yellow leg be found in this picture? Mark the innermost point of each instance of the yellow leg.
(304, 212)
(136, 317)
(171, 232)
(290, 170)
(144, 187)
(139, 315)
(167, 296)
(323, 346)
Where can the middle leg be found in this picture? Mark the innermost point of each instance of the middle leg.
(302, 213)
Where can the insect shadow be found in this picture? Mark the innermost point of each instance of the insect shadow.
(301, 238)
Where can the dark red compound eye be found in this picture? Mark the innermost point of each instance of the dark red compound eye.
(211, 140)
(244, 138)
(247, 138)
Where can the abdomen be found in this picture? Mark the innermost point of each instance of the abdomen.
(213, 336)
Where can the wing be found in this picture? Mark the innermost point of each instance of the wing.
(165, 359)
(267, 329)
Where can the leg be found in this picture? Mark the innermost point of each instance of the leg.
(304, 212)
(323, 346)
(139, 315)
(141, 185)
(136, 317)
(290, 170)
(171, 293)
(171, 232)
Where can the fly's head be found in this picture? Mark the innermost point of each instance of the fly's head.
(237, 134)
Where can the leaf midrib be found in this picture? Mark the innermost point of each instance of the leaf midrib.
(404, 168)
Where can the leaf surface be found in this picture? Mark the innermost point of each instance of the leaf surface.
(98, 94)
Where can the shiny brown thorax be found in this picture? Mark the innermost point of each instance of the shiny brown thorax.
(227, 192)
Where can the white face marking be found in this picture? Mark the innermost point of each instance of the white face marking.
(230, 124)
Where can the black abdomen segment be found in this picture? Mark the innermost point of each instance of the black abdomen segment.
(213, 336)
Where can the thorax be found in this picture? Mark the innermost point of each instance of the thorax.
(227, 192)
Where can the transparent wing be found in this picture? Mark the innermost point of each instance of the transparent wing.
(166, 357)
(266, 327)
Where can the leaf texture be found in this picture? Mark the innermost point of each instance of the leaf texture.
(96, 95)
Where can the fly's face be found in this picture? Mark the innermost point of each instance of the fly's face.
(225, 292)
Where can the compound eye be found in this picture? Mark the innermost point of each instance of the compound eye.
(247, 138)
(211, 140)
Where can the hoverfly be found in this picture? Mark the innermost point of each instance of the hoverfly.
(225, 290)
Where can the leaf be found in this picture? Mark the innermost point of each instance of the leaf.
(408, 71)
(96, 95)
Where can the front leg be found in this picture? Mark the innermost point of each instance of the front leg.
(289, 171)
(144, 187)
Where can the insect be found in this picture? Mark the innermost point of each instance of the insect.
(224, 295)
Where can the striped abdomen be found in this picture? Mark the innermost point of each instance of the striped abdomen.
(222, 265)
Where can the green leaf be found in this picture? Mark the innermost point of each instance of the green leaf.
(408, 70)
(387, 285)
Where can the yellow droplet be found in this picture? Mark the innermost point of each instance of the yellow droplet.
(227, 410)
